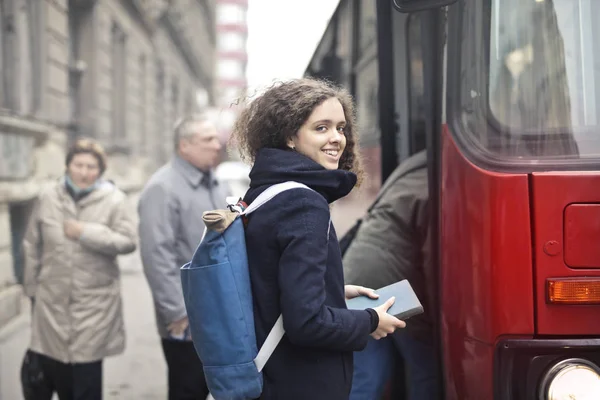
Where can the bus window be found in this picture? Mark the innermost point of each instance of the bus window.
(416, 85)
(531, 78)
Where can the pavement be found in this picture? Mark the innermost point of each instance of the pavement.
(140, 373)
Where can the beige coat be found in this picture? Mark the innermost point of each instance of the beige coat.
(77, 315)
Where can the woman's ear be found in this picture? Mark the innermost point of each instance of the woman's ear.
(291, 144)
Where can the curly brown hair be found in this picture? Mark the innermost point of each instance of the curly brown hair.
(277, 115)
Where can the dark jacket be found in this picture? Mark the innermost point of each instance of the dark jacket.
(392, 242)
(296, 270)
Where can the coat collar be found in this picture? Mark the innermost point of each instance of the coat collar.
(193, 175)
(273, 166)
(103, 189)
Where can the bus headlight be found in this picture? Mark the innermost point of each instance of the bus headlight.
(572, 379)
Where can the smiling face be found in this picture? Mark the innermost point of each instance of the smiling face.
(321, 138)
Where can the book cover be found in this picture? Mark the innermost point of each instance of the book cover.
(406, 305)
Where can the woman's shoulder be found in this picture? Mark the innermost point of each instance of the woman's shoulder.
(111, 191)
(290, 205)
(298, 198)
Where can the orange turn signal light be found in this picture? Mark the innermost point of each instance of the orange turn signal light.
(573, 290)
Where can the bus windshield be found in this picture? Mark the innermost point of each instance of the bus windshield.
(544, 75)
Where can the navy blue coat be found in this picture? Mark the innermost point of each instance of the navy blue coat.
(296, 270)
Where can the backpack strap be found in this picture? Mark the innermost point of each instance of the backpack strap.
(268, 347)
(277, 332)
(271, 192)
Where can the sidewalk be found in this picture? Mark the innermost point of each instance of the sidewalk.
(140, 372)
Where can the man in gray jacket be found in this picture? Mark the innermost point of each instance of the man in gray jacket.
(170, 210)
(391, 245)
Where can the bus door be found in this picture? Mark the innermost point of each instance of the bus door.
(520, 190)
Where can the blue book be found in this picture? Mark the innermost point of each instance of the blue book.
(406, 305)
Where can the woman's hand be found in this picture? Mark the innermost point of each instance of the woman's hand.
(352, 291)
(73, 229)
(387, 323)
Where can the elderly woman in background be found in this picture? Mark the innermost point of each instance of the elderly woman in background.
(77, 229)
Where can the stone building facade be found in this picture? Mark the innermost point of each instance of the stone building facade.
(120, 71)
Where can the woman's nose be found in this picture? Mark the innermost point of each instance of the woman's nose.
(336, 137)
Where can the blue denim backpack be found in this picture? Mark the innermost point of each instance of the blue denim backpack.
(218, 300)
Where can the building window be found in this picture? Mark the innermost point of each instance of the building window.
(417, 115)
(230, 69)
(20, 214)
(159, 112)
(9, 55)
(175, 99)
(23, 60)
(231, 41)
(231, 14)
(119, 84)
(368, 27)
(36, 36)
(3, 58)
(20, 55)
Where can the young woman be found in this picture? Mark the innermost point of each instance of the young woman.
(304, 131)
(76, 231)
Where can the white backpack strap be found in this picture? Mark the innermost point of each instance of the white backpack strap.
(271, 192)
(268, 347)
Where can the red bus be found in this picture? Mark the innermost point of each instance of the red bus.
(505, 96)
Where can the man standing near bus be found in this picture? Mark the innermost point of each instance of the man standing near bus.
(391, 245)
(171, 226)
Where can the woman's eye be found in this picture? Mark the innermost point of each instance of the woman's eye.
(321, 128)
(341, 129)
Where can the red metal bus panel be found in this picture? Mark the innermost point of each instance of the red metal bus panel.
(582, 236)
(486, 268)
(553, 193)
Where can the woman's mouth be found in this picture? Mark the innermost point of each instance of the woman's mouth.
(332, 153)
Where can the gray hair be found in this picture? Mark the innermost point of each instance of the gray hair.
(183, 128)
